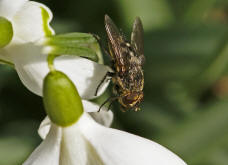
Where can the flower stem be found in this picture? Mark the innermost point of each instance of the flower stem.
(50, 60)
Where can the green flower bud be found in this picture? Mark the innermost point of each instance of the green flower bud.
(61, 99)
(6, 32)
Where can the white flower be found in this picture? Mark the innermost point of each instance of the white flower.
(30, 21)
(89, 143)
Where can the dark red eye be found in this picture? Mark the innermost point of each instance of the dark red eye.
(131, 98)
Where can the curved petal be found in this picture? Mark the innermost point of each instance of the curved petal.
(32, 67)
(31, 22)
(103, 117)
(86, 74)
(9, 7)
(122, 148)
(44, 127)
(48, 151)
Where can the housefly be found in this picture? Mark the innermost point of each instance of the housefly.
(127, 62)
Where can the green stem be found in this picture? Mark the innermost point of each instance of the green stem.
(50, 60)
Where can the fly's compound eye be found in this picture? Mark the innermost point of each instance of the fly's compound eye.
(131, 98)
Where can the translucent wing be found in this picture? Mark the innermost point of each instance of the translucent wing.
(137, 37)
(115, 39)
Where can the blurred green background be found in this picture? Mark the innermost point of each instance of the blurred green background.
(186, 77)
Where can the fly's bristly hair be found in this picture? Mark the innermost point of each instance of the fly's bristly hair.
(128, 59)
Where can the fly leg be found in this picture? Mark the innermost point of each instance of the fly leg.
(110, 99)
(108, 74)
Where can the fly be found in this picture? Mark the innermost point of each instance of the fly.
(127, 59)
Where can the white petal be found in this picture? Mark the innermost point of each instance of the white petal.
(44, 127)
(48, 151)
(32, 67)
(103, 117)
(5, 56)
(118, 147)
(86, 74)
(75, 149)
(9, 7)
(28, 22)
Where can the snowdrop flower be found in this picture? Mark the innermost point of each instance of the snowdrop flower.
(23, 24)
(72, 137)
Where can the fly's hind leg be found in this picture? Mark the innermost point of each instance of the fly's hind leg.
(108, 74)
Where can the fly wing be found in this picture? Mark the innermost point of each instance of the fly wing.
(115, 38)
(137, 38)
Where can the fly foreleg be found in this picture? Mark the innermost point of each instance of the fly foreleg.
(107, 75)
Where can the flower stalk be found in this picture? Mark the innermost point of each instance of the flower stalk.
(50, 61)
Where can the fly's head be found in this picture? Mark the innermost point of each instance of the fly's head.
(131, 100)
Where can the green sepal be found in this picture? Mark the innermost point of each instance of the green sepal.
(79, 44)
(71, 39)
(61, 100)
(6, 32)
(75, 51)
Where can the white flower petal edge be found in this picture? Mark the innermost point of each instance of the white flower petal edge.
(122, 148)
(104, 117)
(9, 7)
(48, 151)
(32, 67)
(31, 22)
(44, 127)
